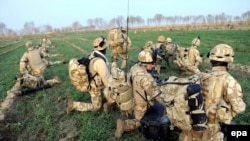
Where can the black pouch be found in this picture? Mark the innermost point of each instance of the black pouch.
(155, 124)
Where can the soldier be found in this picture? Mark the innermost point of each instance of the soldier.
(145, 90)
(120, 44)
(43, 47)
(100, 72)
(170, 49)
(222, 96)
(31, 76)
(194, 54)
(188, 59)
(160, 46)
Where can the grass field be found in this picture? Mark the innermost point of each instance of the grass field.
(42, 115)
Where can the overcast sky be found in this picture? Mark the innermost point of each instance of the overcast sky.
(62, 13)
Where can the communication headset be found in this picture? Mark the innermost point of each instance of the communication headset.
(102, 42)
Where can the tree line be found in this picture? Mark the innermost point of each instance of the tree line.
(133, 21)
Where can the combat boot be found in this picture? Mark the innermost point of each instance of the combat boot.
(57, 80)
(108, 107)
(69, 106)
(120, 124)
(64, 61)
(17, 93)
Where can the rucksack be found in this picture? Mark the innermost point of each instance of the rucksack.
(79, 72)
(184, 103)
(119, 40)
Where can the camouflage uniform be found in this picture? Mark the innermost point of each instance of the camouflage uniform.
(119, 48)
(44, 50)
(222, 96)
(188, 59)
(170, 49)
(194, 54)
(159, 45)
(100, 71)
(143, 84)
(32, 68)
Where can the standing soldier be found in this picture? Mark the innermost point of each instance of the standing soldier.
(194, 54)
(100, 72)
(31, 76)
(222, 96)
(145, 90)
(120, 44)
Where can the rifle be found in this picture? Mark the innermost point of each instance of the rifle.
(30, 90)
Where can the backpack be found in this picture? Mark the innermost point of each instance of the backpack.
(184, 103)
(118, 40)
(79, 72)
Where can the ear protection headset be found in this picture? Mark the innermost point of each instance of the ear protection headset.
(102, 42)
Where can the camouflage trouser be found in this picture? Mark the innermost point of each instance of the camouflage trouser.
(96, 101)
(51, 63)
(124, 57)
(158, 65)
(212, 133)
(132, 124)
(26, 81)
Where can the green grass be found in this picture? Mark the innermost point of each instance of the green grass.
(42, 115)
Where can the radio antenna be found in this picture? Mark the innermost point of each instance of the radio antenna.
(127, 42)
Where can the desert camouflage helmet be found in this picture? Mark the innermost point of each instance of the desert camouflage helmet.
(196, 42)
(29, 45)
(169, 40)
(161, 39)
(222, 53)
(100, 43)
(145, 56)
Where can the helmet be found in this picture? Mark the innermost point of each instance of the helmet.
(28, 45)
(222, 53)
(44, 40)
(161, 39)
(196, 42)
(145, 56)
(100, 44)
(169, 40)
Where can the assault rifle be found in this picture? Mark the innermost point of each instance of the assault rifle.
(30, 90)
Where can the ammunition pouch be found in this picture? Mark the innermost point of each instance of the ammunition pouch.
(199, 119)
(223, 112)
(195, 99)
(124, 97)
(196, 109)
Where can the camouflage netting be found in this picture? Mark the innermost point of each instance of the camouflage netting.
(243, 69)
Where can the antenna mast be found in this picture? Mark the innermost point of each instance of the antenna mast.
(127, 42)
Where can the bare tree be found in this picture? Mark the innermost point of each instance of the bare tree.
(159, 18)
(117, 22)
(2, 28)
(210, 18)
(246, 16)
(76, 26)
(29, 28)
(48, 28)
(90, 22)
